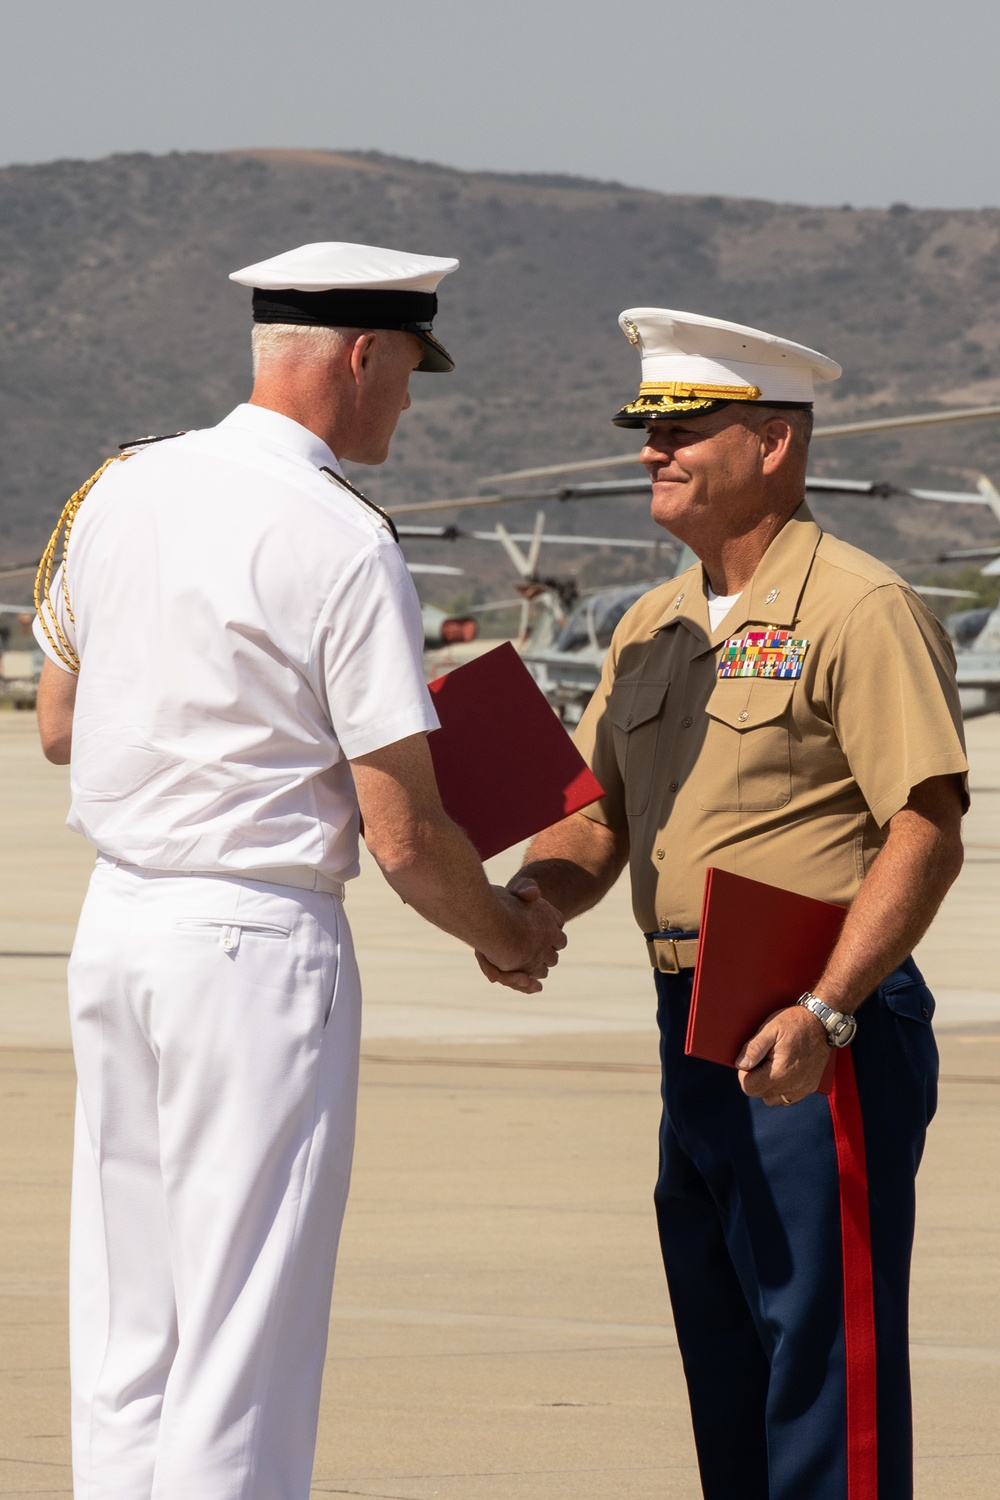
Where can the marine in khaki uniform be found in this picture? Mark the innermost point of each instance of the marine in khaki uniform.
(785, 710)
(786, 780)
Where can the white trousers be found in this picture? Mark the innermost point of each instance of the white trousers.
(216, 1027)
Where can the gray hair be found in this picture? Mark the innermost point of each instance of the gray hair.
(301, 340)
(799, 419)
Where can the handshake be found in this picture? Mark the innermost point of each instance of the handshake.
(529, 939)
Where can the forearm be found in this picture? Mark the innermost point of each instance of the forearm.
(431, 864)
(921, 857)
(893, 909)
(575, 863)
(56, 705)
(436, 870)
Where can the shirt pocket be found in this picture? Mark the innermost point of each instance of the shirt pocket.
(635, 709)
(745, 764)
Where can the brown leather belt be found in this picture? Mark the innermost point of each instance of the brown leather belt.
(671, 955)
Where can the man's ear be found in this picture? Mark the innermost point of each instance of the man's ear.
(362, 355)
(777, 436)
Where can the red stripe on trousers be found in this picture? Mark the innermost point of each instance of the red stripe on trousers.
(859, 1297)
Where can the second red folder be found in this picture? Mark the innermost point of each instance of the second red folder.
(759, 949)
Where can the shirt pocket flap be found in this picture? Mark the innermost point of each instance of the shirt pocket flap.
(634, 702)
(749, 702)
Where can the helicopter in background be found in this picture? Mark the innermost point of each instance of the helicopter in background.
(563, 637)
(20, 658)
(975, 633)
(564, 633)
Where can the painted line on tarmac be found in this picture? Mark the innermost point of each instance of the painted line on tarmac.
(440, 1318)
(535, 1066)
(9, 954)
(655, 1332)
(956, 1353)
(525, 1064)
(658, 1333)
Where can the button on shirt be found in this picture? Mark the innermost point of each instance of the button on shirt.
(789, 781)
(244, 626)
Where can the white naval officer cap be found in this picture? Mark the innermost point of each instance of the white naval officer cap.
(334, 284)
(693, 365)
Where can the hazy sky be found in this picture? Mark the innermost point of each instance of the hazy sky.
(818, 101)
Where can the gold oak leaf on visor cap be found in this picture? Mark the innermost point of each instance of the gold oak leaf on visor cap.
(693, 365)
(333, 284)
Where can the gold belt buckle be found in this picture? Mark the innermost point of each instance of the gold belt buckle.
(667, 959)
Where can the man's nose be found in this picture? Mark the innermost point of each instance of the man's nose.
(656, 450)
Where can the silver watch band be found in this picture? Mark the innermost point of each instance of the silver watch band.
(839, 1028)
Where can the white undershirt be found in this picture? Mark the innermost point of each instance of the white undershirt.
(719, 606)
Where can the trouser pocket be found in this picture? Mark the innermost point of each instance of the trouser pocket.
(229, 935)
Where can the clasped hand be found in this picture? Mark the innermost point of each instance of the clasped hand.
(784, 1061)
(535, 942)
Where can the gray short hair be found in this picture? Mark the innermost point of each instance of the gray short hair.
(302, 340)
(799, 419)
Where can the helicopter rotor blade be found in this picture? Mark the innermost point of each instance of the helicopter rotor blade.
(465, 502)
(916, 419)
(513, 551)
(535, 548)
(877, 488)
(989, 492)
(840, 429)
(571, 468)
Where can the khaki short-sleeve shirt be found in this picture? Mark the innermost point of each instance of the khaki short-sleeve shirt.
(786, 780)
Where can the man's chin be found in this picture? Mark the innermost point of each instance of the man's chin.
(669, 502)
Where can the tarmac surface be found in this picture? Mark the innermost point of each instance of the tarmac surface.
(500, 1324)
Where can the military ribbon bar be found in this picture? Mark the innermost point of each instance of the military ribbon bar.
(762, 653)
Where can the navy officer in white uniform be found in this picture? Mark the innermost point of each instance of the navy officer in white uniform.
(234, 667)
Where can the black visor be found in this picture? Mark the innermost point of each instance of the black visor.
(407, 312)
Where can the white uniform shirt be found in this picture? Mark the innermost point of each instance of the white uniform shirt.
(243, 625)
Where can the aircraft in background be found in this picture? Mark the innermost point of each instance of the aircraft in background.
(564, 635)
(975, 633)
(20, 658)
(564, 641)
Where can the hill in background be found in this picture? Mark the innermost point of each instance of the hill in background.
(117, 320)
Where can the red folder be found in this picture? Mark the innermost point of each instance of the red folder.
(759, 949)
(505, 766)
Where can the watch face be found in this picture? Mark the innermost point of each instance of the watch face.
(843, 1031)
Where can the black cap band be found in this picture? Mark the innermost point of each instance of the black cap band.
(344, 308)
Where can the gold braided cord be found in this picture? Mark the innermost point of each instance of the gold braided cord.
(43, 578)
(685, 391)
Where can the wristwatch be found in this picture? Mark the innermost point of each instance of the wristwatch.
(839, 1028)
